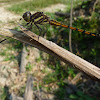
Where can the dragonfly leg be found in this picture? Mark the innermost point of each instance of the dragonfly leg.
(30, 26)
(39, 29)
(44, 34)
(2, 40)
(27, 24)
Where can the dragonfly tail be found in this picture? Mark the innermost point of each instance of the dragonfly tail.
(56, 23)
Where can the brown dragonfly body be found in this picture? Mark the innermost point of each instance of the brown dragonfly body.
(40, 18)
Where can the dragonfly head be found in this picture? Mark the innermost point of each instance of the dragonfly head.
(26, 16)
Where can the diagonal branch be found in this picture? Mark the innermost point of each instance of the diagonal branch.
(51, 48)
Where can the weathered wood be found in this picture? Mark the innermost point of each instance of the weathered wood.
(54, 50)
(77, 78)
(23, 59)
(29, 89)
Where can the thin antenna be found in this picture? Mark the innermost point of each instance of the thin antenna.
(70, 32)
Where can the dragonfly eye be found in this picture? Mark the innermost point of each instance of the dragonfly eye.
(26, 16)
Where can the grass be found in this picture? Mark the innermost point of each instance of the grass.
(38, 59)
(33, 5)
(8, 51)
(80, 96)
(29, 67)
(8, 56)
(4, 93)
(0, 21)
(10, 1)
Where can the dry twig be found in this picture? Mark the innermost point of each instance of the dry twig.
(51, 48)
(29, 89)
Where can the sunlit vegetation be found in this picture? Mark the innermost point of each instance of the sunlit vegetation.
(10, 1)
(85, 46)
(33, 5)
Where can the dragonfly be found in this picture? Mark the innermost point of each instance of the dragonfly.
(39, 18)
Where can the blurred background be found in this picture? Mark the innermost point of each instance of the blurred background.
(55, 80)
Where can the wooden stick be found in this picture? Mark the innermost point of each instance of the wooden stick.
(29, 89)
(23, 60)
(55, 50)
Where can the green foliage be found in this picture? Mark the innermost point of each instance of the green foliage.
(29, 67)
(33, 5)
(49, 78)
(71, 72)
(38, 59)
(16, 45)
(16, 9)
(7, 55)
(3, 53)
(0, 21)
(60, 93)
(4, 93)
(38, 4)
(72, 96)
(17, 28)
(80, 96)
(9, 1)
(8, 51)
(85, 3)
(59, 74)
(88, 45)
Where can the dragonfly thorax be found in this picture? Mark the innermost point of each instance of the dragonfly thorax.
(26, 16)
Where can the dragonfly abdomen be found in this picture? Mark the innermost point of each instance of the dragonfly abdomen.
(53, 22)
